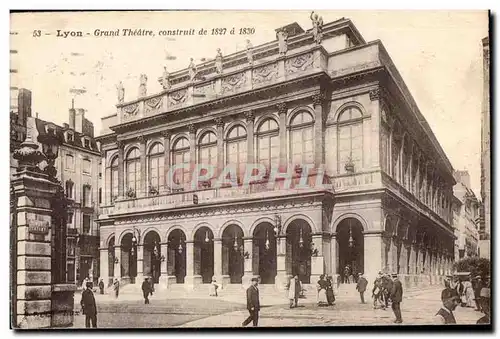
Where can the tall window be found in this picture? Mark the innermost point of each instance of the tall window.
(87, 199)
(180, 155)
(385, 147)
(237, 149)
(69, 189)
(86, 166)
(268, 143)
(207, 149)
(301, 138)
(156, 166)
(133, 170)
(350, 139)
(114, 178)
(70, 162)
(86, 224)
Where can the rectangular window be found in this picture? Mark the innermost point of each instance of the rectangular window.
(86, 224)
(87, 143)
(87, 201)
(70, 162)
(100, 195)
(86, 166)
(70, 218)
(71, 272)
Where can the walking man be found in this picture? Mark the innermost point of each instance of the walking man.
(450, 299)
(116, 287)
(397, 298)
(361, 287)
(89, 308)
(294, 291)
(101, 286)
(253, 303)
(146, 290)
(477, 292)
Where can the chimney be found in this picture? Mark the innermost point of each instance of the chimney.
(24, 105)
(79, 118)
(72, 115)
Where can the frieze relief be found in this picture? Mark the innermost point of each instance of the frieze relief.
(152, 105)
(130, 111)
(178, 97)
(299, 63)
(233, 83)
(265, 74)
(206, 90)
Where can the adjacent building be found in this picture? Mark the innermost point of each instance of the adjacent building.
(466, 217)
(485, 228)
(328, 99)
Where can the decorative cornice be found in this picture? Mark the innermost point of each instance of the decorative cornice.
(282, 109)
(318, 98)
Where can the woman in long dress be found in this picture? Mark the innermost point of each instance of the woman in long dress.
(322, 285)
(214, 286)
(330, 296)
(469, 294)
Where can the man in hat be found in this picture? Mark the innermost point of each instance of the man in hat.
(397, 298)
(478, 285)
(253, 303)
(361, 287)
(450, 299)
(485, 304)
(89, 308)
(447, 281)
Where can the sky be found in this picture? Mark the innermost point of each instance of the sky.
(438, 54)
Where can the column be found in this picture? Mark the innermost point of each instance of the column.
(164, 264)
(282, 110)
(191, 280)
(373, 126)
(317, 261)
(121, 170)
(142, 148)
(218, 263)
(372, 256)
(166, 157)
(318, 129)
(118, 268)
(140, 264)
(250, 137)
(192, 149)
(103, 265)
(220, 145)
(334, 256)
(281, 272)
(248, 267)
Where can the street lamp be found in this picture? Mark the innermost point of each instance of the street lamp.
(301, 239)
(135, 240)
(267, 240)
(351, 240)
(50, 148)
(277, 224)
(207, 239)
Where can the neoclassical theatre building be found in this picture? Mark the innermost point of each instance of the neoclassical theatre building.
(323, 96)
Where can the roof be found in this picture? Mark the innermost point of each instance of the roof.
(77, 139)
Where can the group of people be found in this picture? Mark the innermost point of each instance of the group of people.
(387, 289)
(326, 296)
(465, 292)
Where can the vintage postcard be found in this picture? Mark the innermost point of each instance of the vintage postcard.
(202, 169)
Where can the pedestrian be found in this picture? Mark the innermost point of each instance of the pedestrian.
(478, 285)
(321, 287)
(361, 287)
(397, 298)
(84, 283)
(253, 303)
(151, 285)
(294, 288)
(146, 290)
(485, 305)
(347, 271)
(377, 292)
(450, 300)
(214, 286)
(447, 281)
(116, 287)
(387, 286)
(330, 295)
(101, 286)
(89, 308)
(469, 294)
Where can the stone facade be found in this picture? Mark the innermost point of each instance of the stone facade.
(340, 105)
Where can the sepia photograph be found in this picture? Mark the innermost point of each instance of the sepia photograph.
(253, 168)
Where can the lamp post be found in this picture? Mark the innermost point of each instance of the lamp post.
(135, 240)
(50, 148)
(277, 225)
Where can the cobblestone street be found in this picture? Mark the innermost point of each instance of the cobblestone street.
(418, 308)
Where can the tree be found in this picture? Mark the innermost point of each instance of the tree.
(475, 265)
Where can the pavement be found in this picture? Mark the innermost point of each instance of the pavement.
(128, 311)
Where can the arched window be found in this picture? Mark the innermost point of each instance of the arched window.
(156, 167)
(207, 149)
(236, 148)
(350, 139)
(301, 138)
(69, 189)
(268, 143)
(180, 155)
(133, 170)
(114, 178)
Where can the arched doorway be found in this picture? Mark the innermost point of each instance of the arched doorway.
(351, 249)
(111, 260)
(176, 265)
(204, 254)
(264, 253)
(298, 250)
(232, 253)
(128, 262)
(152, 256)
